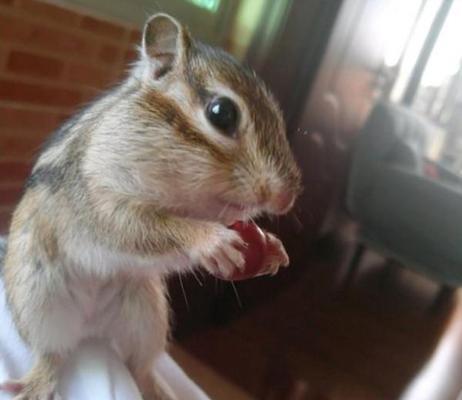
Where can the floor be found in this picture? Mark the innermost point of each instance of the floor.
(321, 341)
(215, 385)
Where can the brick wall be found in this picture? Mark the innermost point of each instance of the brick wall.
(52, 60)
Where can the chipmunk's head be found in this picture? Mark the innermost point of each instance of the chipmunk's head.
(201, 133)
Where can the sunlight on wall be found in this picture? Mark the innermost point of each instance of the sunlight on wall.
(248, 15)
(209, 5)
(259, 18)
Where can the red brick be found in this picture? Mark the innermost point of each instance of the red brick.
(10, 194)
(109, 54)
(130, 56)
(50, 12)
(17, 118)
(22, 145)
(90, 94)
(121, 75)
(40, 36)
(14, 171)
(34, 65)
(15, 91)
(135, 36)
(63, 117)
(88, 75)
(102, 28)
(5, 217)
(3, 57)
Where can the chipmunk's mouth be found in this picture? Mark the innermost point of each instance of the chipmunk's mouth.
(237, 207)
(238, 210)
(229, 212)
(219, 210)
(234, 206)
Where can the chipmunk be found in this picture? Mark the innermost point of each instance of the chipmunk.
(141, 183)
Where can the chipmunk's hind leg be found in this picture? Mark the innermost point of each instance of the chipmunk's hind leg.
(39, 384)
(140, 334)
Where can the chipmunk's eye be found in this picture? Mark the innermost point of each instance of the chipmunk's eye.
(223, 115)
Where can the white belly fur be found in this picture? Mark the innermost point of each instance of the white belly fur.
(88, 305)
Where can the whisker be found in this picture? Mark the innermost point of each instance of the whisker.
(238, 299)
(225, 208)
(197, 278)
(297, 220)
(184, 292)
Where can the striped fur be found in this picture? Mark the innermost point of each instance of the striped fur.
(136, 185)
(2, 250)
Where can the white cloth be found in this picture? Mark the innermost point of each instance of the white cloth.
(94, 371)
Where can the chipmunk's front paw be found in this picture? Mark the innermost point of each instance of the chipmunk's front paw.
(221, 253)
(276, 255)
(31, 390)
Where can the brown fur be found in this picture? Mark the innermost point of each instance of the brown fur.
(164, 109)
(140, 177)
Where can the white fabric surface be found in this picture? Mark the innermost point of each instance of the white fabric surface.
(94, 371)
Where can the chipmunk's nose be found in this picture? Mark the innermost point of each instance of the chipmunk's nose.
(283, 201)
(278, 200)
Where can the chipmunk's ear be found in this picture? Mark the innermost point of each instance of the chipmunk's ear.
(165, 43)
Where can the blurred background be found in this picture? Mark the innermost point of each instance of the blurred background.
(372, 95)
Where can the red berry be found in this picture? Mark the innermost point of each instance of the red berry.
(254, 253)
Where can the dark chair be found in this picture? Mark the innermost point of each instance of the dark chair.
(403, 214)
